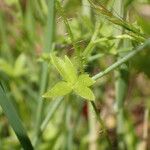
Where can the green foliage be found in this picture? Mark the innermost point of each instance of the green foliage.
(96, 40)
(84, 92)
(60, 89)
(79, 84)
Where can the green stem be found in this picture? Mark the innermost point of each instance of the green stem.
(44, 76)
(123, 60)
(61, 10)
(94, 57)
(69, 133)
(121, 36)
(93, 134)
(52, 110)
(101, 122)
(88, 50)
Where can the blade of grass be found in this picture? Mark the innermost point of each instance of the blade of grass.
(44, 70)
(114, 19)
(14, 120)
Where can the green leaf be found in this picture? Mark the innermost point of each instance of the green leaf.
(60, 89)
(71, 70)
(84, 92)
(59, 65)
(85, 80)
(65, 68)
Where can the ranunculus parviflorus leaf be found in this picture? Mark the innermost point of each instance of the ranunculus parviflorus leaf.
(60, 89)
(85, 80)
(79, 84)
(84, 92)
(60, 66)
(65, 68)
(71, 70)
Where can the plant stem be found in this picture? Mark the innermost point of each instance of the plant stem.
(61, 10)
(44, 76)
(69, 133)
(123, 60)
(88, 50)
(102, 124)
(93, 134)
(52, 110)
(94, 57)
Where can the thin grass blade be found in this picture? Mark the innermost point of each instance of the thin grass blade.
(14, 120)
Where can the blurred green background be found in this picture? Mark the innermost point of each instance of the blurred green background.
(30, 29)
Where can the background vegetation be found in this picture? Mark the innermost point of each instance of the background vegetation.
(106, 39)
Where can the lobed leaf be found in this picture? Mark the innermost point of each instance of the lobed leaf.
(84, 92)
(71, 70)
(59, 65)
(60, 89)
(85, 80)
(69, 73)
(65, 68)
